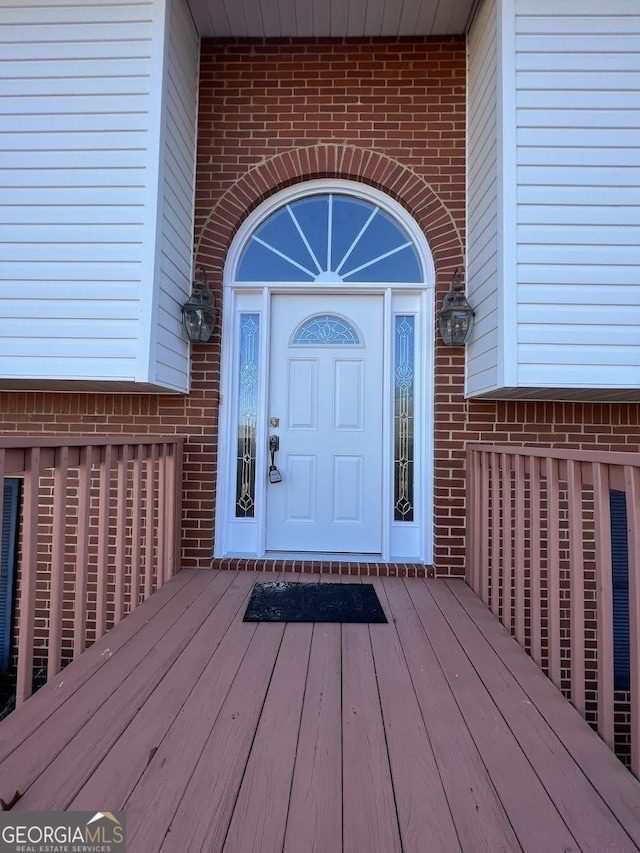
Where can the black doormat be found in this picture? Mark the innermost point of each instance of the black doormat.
(314, 602)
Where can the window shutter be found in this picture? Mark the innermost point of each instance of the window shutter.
(10, 519)
(620, 565)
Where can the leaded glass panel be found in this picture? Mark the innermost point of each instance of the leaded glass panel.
(404, 387)
(247, 415)
(326, 329)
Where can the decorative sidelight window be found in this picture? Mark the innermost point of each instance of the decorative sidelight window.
(404, 385)
(330, 238)
(247, 415)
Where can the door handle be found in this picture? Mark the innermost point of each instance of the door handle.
(274, 445)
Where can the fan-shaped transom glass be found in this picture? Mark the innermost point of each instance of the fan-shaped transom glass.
(323, 329)
(330, 239)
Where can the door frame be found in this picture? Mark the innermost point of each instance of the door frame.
(246, 537)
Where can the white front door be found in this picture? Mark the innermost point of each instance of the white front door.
(325, 405)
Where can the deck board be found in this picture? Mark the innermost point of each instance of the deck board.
(617, 787)
(16, 728)
(416, 779)
(206, 808)
(314, 821)
(269, 771)
(220, 637)
(577, 802)
(481, 822)
(108, 721)
(370, 821)
(432, 733)
(538, 826)
(46, 741)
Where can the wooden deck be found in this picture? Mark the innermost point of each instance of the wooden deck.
(432, 733)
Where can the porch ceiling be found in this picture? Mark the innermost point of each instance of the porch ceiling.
(330, 18)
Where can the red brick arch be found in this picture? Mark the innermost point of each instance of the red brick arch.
(438, 224)
(330, 161)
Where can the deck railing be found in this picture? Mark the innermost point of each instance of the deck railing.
(99, 532)
(539, 554)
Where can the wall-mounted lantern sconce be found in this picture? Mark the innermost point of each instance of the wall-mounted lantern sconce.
(455, 318)
(199, 312)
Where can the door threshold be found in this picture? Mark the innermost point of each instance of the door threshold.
(324, 557)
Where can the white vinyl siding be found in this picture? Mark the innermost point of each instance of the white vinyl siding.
(80, 130)
(578, 174)
(178, 189)
(482, 199)
(568, 178)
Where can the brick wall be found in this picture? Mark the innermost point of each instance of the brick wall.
(388, 113)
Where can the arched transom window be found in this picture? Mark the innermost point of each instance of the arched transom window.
(330, 238)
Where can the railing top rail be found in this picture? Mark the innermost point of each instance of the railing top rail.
(607, 457)
(94, 440)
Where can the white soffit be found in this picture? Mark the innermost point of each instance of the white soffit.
(330, 18)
